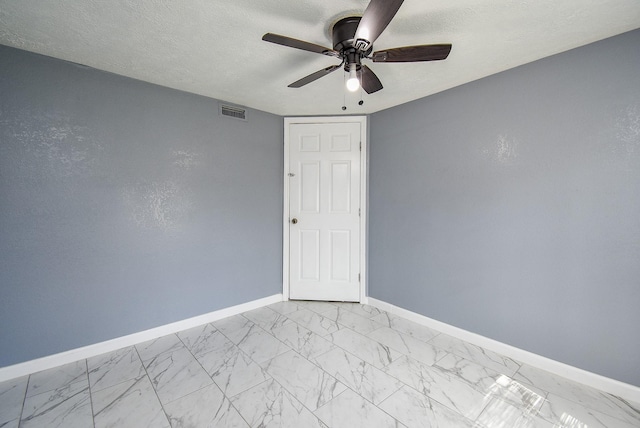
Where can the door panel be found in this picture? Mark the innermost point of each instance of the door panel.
(340, 255)
(309, 187)
(309, 255)
(324, 198)
(340, 187)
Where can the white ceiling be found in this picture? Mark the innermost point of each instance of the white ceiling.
(214, 47)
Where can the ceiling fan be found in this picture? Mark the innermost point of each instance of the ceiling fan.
(353, 39)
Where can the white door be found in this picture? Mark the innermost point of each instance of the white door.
(324, 211)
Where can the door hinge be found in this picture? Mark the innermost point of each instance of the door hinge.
(358, 277)
(359, 212)
(360, 145)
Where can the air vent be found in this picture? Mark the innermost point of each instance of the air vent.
(233, 111)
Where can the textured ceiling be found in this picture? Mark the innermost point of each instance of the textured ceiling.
(214, 48)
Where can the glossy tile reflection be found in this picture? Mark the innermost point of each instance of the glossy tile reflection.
(307, 364)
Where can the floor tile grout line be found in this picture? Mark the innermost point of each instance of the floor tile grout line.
(370, 402)
(236, 409)
(152, 385)
(419, 392)
(428, 397)
(93, 419)
(120, 382)
(26, 396)
(312, 362)
(473, 359)
(24, 401)
(224, 394)
(481, 348)
(298, 400)
(409, 336)
(399, 380)
(240, 351)
(327, 373)
(274, 380)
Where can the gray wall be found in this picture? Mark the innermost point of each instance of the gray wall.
(125, 206)
(510, 207)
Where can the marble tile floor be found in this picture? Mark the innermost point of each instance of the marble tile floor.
(307, 364)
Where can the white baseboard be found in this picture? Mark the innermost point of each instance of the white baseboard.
(50, 361)
(612, 386)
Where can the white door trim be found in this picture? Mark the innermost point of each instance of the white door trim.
(362, 120)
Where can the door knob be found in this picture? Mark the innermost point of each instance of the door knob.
(294, 220)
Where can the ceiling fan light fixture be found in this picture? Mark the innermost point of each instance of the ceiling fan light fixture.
(353, 84)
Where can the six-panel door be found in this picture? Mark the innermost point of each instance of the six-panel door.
(324, 211)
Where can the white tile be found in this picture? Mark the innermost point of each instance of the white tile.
(303, 341)
(405, 326)
(232, 370)
(12, 393)
(374, 353)
(267, 318)
(285, 307)
(317, 307)
(482, 356)
(268, 405)
(314, 322)
(10, 424)
(307, 382)
(235, 327)
(152, 348)
(365, 311)
(176, 374)
(517, 394)
(114, 367)
(66, 407)
(491, 382)
(365, 379)
(407, 345)
(57, 377)
(480, 377)
(437, 385)
(203, 339)
(578, 393)
(416, 410)
(564, 412)
(350, 410)
(131, 404)
(206, 407)
(354, 322)
(500, 414)
(261, 346)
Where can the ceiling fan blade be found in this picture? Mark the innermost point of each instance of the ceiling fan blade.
(314, 76)
(413, 53)
(375, 19)
(299, 44)
(369, 81)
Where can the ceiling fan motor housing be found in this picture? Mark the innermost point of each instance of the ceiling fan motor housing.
(343, 33)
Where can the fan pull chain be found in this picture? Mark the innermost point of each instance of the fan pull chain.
(361, 100)
(344, 93)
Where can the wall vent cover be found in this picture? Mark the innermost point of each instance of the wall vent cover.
(233, 112)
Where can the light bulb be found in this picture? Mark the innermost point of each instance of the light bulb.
(353, 83)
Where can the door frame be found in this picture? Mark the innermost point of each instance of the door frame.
(362, 120)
